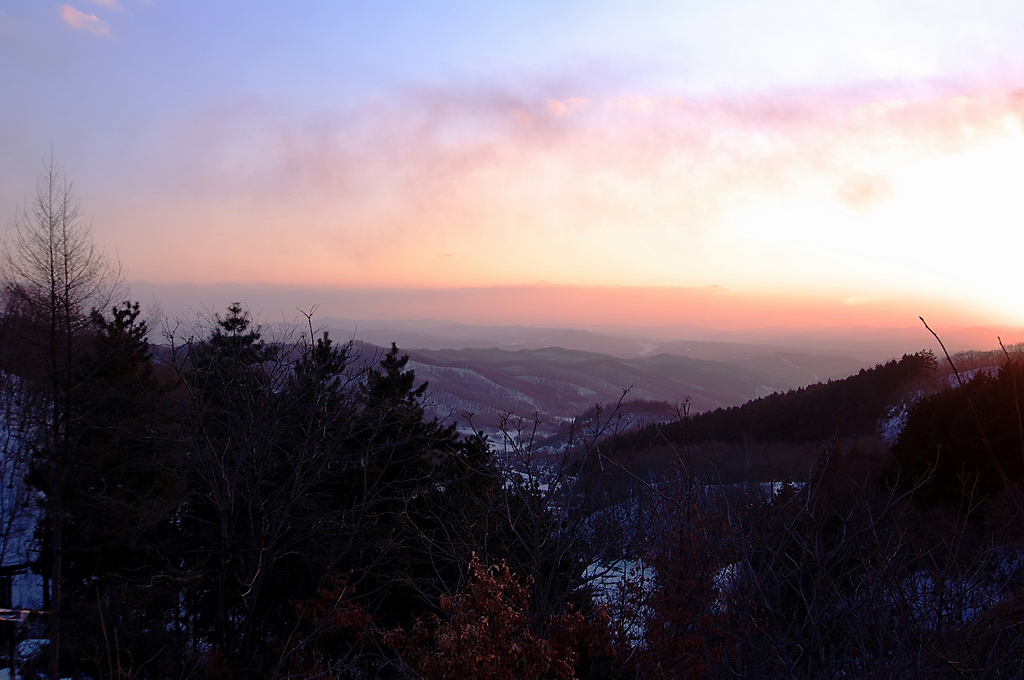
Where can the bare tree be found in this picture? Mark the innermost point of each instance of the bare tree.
(54, 274)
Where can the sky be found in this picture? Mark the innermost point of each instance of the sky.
(758, 162)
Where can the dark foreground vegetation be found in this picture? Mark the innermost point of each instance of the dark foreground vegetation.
(227, 506)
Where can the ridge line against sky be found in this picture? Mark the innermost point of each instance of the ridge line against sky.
(868, 152)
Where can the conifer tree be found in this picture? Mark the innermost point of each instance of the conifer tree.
(121, 495)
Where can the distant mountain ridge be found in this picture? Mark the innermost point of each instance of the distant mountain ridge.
(440, 335)
(868, 345)
(557, 383)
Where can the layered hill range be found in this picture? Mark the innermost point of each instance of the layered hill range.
(494, 371)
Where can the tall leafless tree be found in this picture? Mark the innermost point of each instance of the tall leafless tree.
(54, 274)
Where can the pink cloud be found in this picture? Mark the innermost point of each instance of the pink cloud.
(562, 107)
(433, 143)
(469, 171)
(80, 21)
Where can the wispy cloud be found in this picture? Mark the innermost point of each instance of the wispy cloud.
(80, 21)
(104, 3)
(434, 146)
(504, 185)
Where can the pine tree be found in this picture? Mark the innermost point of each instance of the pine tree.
(121, 493)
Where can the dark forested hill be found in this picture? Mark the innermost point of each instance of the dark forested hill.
(837, 408)
(964, 442)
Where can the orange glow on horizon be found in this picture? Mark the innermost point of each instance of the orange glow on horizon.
(582, 306)
(710, 307)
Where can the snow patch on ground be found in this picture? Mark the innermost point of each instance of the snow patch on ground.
(892, 423)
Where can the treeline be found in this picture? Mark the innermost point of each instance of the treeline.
(257, 509)
(817, 413)
(779, 436)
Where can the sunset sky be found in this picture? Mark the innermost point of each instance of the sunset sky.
(772, 162)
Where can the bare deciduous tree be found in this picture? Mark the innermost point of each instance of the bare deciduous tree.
(54, 274)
